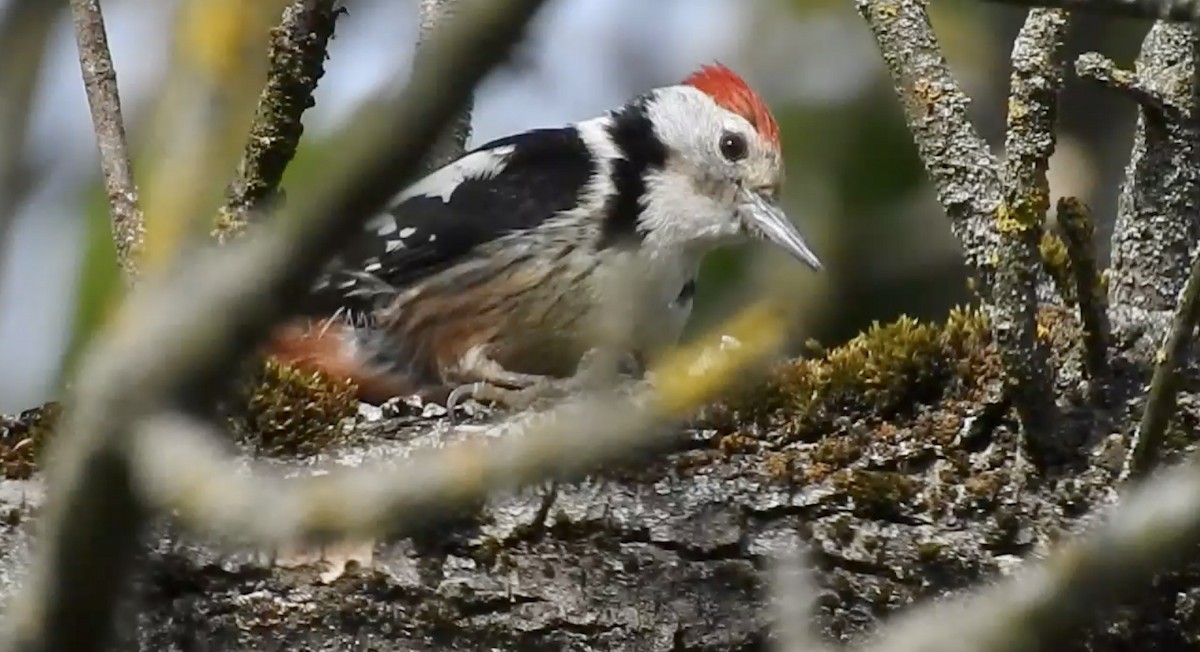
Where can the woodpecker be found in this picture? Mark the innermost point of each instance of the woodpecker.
(492, 271)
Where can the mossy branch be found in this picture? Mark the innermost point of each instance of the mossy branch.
(1078, 233)
(299, 47)
(100, 83)
(1037, 61)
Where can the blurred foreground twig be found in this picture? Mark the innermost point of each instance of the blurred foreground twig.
(178, 338)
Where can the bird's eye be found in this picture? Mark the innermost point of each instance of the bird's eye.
(733, 146)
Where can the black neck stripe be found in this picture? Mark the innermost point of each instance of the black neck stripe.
(642, 151)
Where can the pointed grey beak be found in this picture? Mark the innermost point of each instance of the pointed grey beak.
(766, 219)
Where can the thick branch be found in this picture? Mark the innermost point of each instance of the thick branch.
(1032, 111)
(1158, 217)
(1172, 10)
(299, 46)
(100, 81)
(180, 336)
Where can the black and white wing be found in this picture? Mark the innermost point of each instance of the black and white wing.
(506, 185)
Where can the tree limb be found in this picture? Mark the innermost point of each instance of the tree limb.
(299, 46)
(100, 82)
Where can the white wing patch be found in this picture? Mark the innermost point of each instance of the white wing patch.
(484, 164)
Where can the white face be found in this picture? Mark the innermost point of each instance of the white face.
(721, 181)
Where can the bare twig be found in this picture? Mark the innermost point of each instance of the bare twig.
(299, 46)
(963, 171)
(100, 81)
(1078, 231)
(180, 335)
(1172, 10)
(1101, 69)
(1152, 530)
(453, 140)
(1032, 110)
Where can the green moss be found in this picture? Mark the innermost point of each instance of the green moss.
(288, 411)
(875, 492)
(885, 370)
(23, 439)
(929, 551)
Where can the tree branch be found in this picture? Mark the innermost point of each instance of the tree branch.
(1170, 10)
(179, 337)
(968, 183)
(960, 165)
(1037, 62)
(100, 82)
(299, 46)
(1157, 213)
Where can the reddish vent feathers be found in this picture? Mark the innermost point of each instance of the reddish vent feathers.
(733, 93)
(323, 346)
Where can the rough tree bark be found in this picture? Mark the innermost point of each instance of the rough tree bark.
(898, 460)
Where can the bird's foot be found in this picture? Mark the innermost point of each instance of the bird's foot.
(513, 398)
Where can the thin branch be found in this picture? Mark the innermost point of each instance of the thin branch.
(1037, 61)
(180, 335)
(795, 592)
(1078, 232)
(1171, 10)
(453, 140)
(100, 82)
(964, 173)
(1100, 69)
(299, 46)
(1153, 530)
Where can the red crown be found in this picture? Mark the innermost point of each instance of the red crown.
(732, 92)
